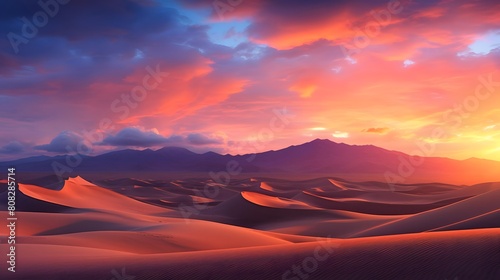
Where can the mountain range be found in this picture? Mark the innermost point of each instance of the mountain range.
(312, 159)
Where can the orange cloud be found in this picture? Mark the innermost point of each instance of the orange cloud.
(378, 130)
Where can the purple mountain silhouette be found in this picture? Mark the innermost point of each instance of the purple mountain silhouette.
(315, 158)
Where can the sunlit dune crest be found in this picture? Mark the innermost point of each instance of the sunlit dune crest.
(274, 202)
(268, 187)
(79, 193)
(337, 184)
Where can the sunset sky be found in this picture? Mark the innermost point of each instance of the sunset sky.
(240, 76)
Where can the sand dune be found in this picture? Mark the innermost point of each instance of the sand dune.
(440, 217)
(364, 205)
(274, 202)
(30, 204)
(267, 187)
(445, 255)
(488, 220)
(335, 228)
(257, 228)
(338, 184)
(62, 223)
(79, 193)
(252, 210)
(173, 237)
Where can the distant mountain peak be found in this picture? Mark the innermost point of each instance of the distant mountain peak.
(323, 143)
(173, 149)
(328, 142)
(319, 140)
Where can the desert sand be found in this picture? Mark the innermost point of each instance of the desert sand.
(255, 228)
